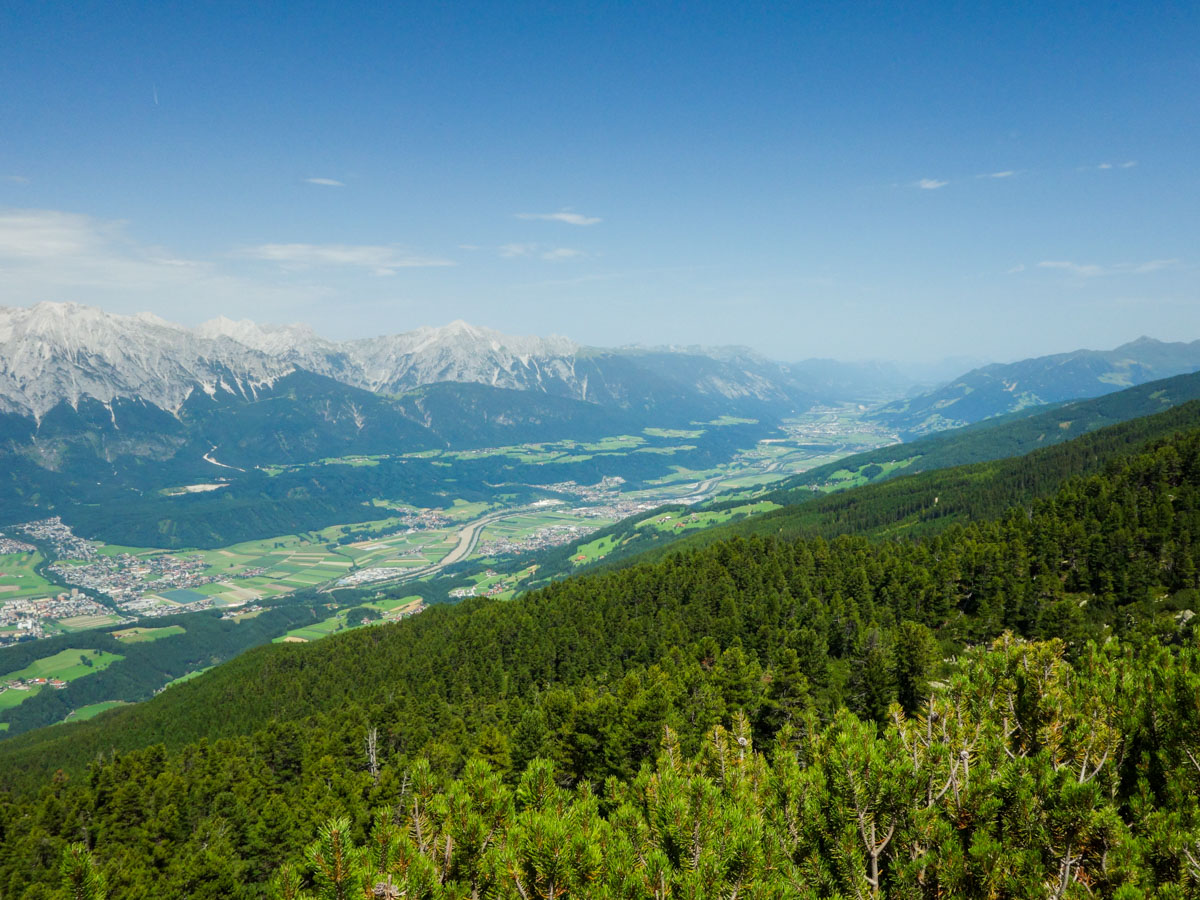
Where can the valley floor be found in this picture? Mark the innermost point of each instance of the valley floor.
(100, 585)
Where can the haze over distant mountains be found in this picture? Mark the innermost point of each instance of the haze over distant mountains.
(55, 353)
(1004, 388)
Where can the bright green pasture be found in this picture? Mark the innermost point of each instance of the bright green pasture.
(65, 665)
(143, 635)
(93, 710)
(688, 521)
(18, 579)
(188, 677)
(594, 550)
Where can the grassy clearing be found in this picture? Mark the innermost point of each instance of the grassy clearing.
(317, 630)
(66, 665)
(689, 521)
(188, 677)
(143, 635)
(93, 710)
(673, 432)
(18, 579)
(351, 461)
(846, 478)
(594, 550)
(392, 603)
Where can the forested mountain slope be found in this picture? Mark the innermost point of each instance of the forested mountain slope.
(755, 635)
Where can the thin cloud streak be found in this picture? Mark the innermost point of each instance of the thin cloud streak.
(1092, 270)
(570, 218)
(551, 254)
(931, 184)
(325, 182)
(378, 259)
(1108, 166)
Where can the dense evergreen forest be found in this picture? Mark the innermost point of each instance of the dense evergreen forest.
(1006, 707)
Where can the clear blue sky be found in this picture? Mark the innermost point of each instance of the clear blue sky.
(845, 179)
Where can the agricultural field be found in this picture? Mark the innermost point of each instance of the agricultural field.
(263, 569)
(86, 623)
(66, 665)
(18, 578)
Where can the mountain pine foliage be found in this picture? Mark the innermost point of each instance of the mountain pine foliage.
(1005, 709)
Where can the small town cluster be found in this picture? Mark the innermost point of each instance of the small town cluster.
(124, 577)
(127, 578)
(8, 545)
(30, 617)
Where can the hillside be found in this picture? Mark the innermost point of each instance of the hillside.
(753, 636)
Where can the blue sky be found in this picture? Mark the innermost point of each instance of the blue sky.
(860, 180)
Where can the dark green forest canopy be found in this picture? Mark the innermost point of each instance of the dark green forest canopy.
(772, 638)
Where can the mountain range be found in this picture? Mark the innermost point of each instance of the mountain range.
(1003, 388)
(52, 353)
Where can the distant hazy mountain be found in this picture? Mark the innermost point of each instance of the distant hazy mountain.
(53, 353)
(1009, 387)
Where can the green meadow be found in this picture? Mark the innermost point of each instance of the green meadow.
(18, 578)
(66, 665)
(143, 635)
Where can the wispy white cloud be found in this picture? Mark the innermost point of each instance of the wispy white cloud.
(1007, 173)
(1092, 270)
(50, 254)
(1019, 267)
(326, 182)
(15, 179)
(553, 254)
(378, 259)
(1106, 166)
(931, 184)
(570, 218)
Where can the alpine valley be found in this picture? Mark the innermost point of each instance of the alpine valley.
(453, 614)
